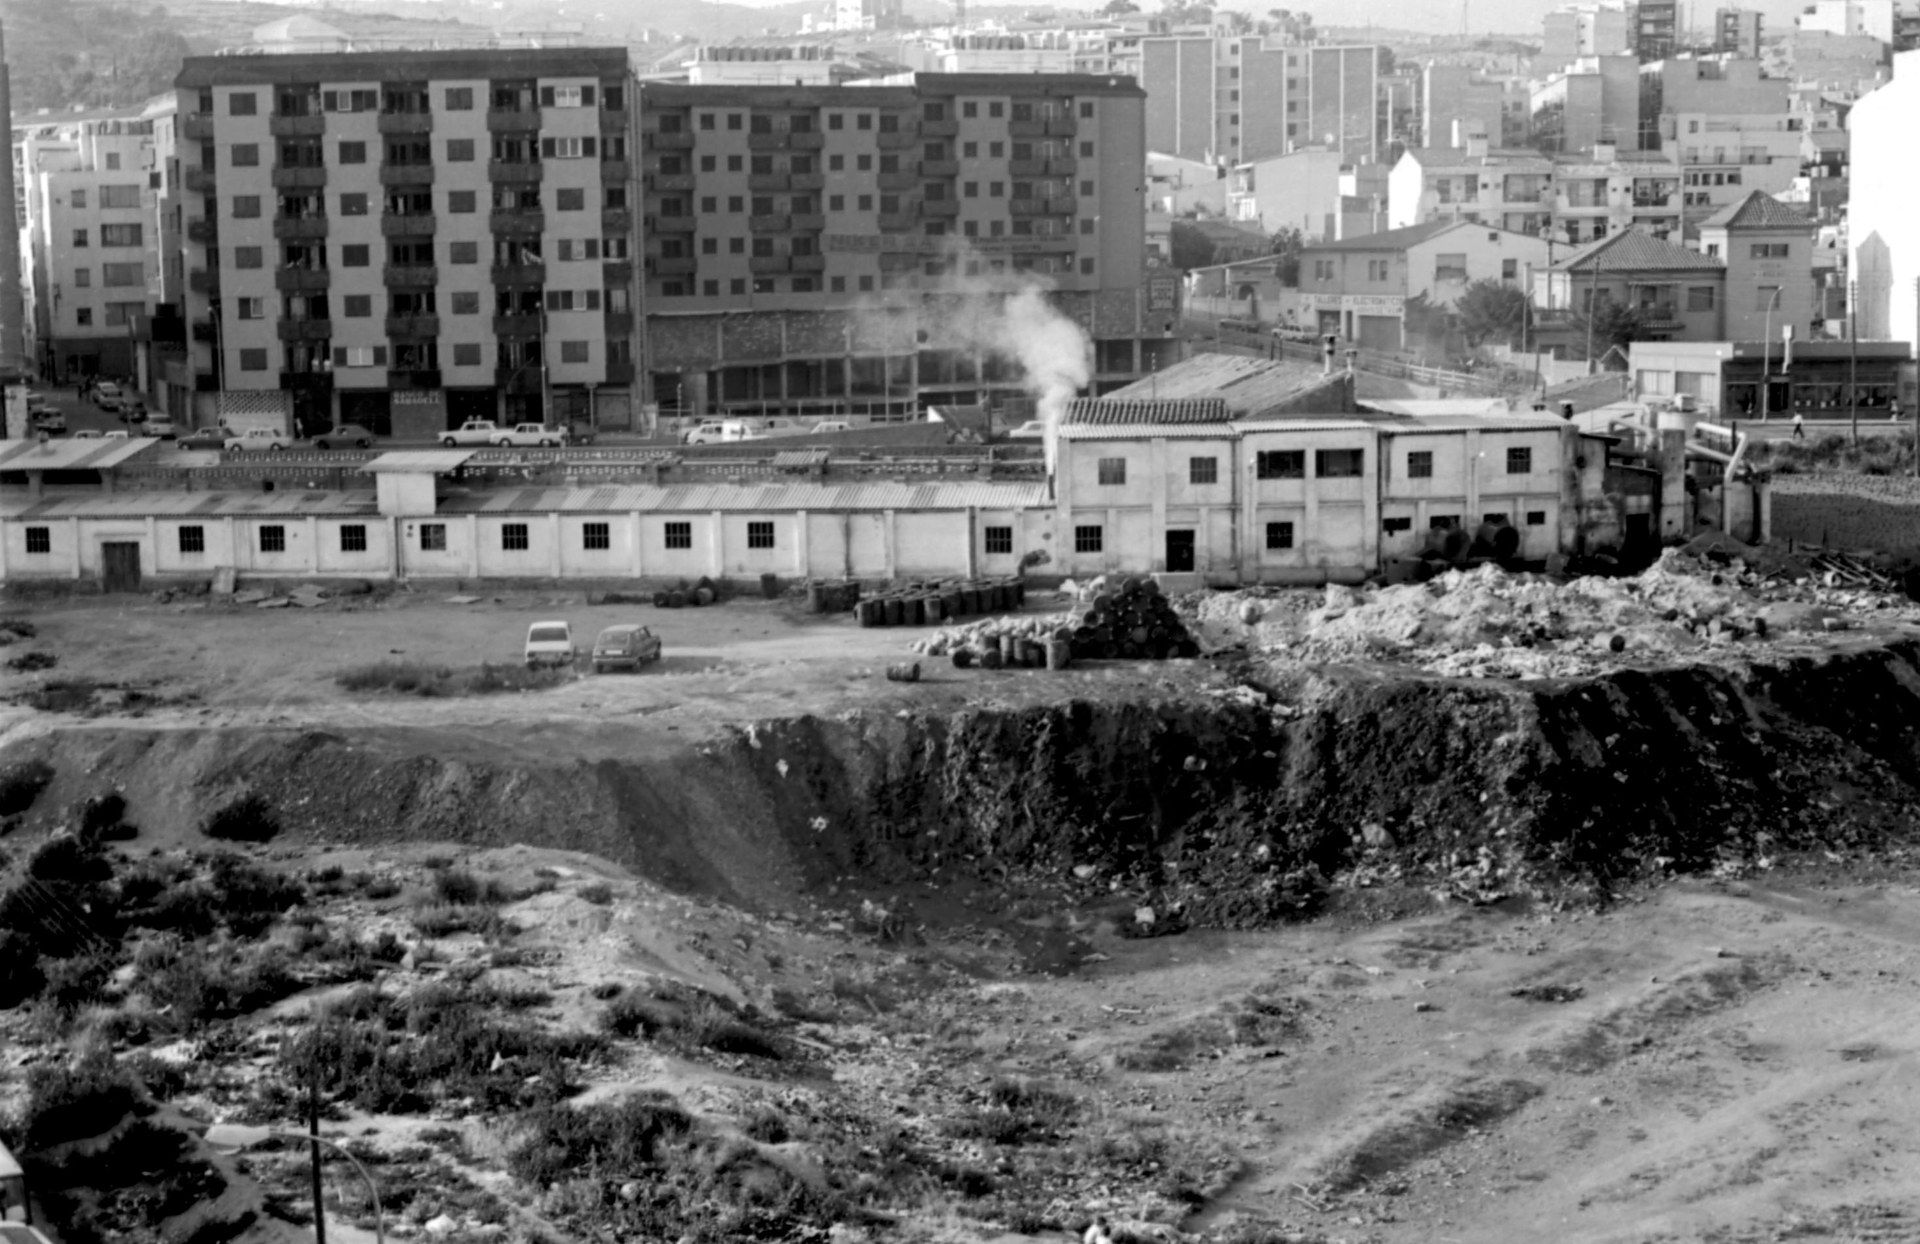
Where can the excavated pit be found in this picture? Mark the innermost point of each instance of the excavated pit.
(1236, 810)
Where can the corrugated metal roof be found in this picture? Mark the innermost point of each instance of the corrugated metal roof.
(799, 458)
(1435, 406)
(419, 461)
(1245, 385)
(65, 454)
(189, 505)
(1172, 410)
(701, 498)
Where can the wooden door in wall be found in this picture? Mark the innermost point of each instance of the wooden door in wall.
(120, 566)
(1179, 552)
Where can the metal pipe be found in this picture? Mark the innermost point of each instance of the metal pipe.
(13, 358)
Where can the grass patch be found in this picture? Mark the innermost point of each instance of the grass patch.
(195, 983)
(83, 1097)
(448, 919)
(460, 887)
(1017, 1112)
(445, 682)
(698, 1022)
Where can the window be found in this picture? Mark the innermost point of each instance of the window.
(466, 354)
(1700, 298)
(1088, 539)
(1323, 269)
(273, 539)
(353, 538)
(242, 104)
(1766, 297)
(1203, 470)
(80, 237)
(573, 352)
(245, 207)
(459, 99)
(760, 535)
(253, 360)
(1536, 518)
(1509, 269)
(82, 278)
(1337, 463)
(251, 308)
(355, 256)
(1496, 520)
(567, 148)
(1394, 526)
(679, 535)
(353, 205)
(460, 150)
(1768, 250)
(359, 356)
(83, 316)
(1443, 522)
(570, 199)
(39, 539)
(1420, 464)
(1280, 464)
(566, 97)
(1113, 470)
(353, 153)
(513, 537)
(462, 201)
(1377, 271)
(245, 257)
(463, 252)
(999, 540)
(359, 306)
(466, 302)
(1519, 460)
(596, 535)
(1279, 535)
(193, 539)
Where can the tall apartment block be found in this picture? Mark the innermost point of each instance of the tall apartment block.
(823, 250)
(1585, 30)
(1656, 29)
(406, 239)
(1234, 100)
(1737, 32)
(87, 187)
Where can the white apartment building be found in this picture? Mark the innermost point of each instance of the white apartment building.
(1872, 18)
(1576, 197)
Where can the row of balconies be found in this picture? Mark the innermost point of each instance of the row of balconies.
(416, 378)
(288, 280)
(1059, 206)
(1058, 166)
(809, 222)
(1055, 127)
(786, 140)
(764, 264)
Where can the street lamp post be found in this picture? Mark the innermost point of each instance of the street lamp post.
(1766, 356)
(233, 1137)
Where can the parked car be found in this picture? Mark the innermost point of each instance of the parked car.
(781, 427)
(1031, 430)
(133, 411)
(831, 425)
(205, 438)
(91, 434)
(257, 439)
(118, 434)
(543, 434)
(686, 437)
(160, 426)
(725, 432)
(51, 422)
(550, 643)
(626, 646)
(343, 435)
(472, 432)
(108, 396)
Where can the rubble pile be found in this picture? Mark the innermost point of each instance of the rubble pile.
(1690, 605)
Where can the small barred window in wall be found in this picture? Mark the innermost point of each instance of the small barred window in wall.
(353, 538)
(679, 535)
(1279, 535)
(1519, 460)
(193, 539)
(1420, 464)
(273, 539)
(1496, 520)
(1088, 539)
(513, 537)
(433, 537)
(999, 540)
(39, 539)
(1281, 464)
(760, 535)
(1203, 470)
(1394, 526)
(1536, 518)
(596, 535)
(1113, 470)
(1337, 463)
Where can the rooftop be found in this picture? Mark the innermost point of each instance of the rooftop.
(1633, 251)
(1759, 210)
(1206, 388)
(417, 461)
(65, 454)
(272, 68)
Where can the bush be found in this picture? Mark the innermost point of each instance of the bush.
(461, 887)
(632, 1016)
(102, 813)
(627, 1135)
(445, 920)
(20, 976)
(766, 1125)
(66, 858)
(440, 681)
(201, 982)
(74, 1100)
(712, 1028)
(599, 893)
(249, 818)
(1016, 1112)
(21, 784)
(381, 888)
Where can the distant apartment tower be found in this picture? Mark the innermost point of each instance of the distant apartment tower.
(1585, 30)
(1656, 29)
(807, 248)
(404, 240)
(1876, 19)
(1737, 32)
(1231, 100)
(1595, 99)
(782, 63)
(91, 253)
(1456, 103)
(866, 14)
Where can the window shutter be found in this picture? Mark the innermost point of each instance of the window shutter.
(553, 300)
(330, 101)
(593, 300)
(586, 146)
(586, 97)
(379, 356)
(546, 97)
(593, 248)
(339, 356)
(547, 147)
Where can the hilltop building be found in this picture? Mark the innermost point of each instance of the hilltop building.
(1235, 99)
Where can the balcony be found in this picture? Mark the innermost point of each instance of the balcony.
(616, 172)
(1029, 127)
(1652, 200)
(406, 226)
(1660, 315)
(669, 183)
(906, 178)
(405, 123)
(807, 181)
(204, 280)
(1062, 166)
(619, 373)
(660, 140)
(613, 120)
(900, 261)
(517, 327)
(203, 231)
(281, 126)
(619, 323)
(1062, 205)
(939, 168)
(202, 330)
(672, 224)
(413, 327)
(198, 180)
(299, 228)
(767, 263)
(514, 173)
(1027, 168)
(767, 182)
(940, 207)
(617, 273)
(939, 129)
(1062, 127)
(297, 381)
(807, 222)
(406, 174)
(616, 220)
(299, 177)
(411, 276)
(671, 265)
(769, 224)
(305, 330)
(513, 120)
(896, 140)
(520, 275)
(301, 280)
(196, 127)
(899, 222)
(810, 140)
(809, 263)
(413, 378)
(518, 221)
(769, 140)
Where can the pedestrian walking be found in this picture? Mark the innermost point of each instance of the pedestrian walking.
(1799, 426)
(1893, 410)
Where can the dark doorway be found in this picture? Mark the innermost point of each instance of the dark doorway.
(1179, 552)
(120, 566)
(371, 409)
(465, 404)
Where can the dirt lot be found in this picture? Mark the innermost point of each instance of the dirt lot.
(1726, 1058)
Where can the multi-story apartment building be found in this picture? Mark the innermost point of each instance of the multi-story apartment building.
(90, 252)
(1314, 191)
(1234, 99)
(799, 238)
(1585, 30)
(1577, 197)
(1725, 158)
(1656, 29)
(1872, 18)
(1737, 32)
(406, 239)
(1455, 102)
(1595, 99)
(1767, 247)
(1358, 288)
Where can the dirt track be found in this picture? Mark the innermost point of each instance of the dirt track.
(1738, 1063)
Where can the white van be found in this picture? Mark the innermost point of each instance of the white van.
(722, 433)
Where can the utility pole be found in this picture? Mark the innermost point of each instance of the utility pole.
(13, 358)
(1853, 360)
(1916, 404)
(313, 1131)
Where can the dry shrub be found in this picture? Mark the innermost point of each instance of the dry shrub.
(249, 818)
(444, 682)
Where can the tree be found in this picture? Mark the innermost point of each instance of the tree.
(1425, 327)
(1615, 324)
(1117, 8)
(1191, 248)
(1491, 311)
(1236, 22)
(1285, 246)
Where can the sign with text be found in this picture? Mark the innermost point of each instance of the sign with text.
(16, 412)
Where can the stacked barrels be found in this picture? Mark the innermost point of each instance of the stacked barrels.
(702, 593)
(941, 600)
(1130, 621)
(833, 595)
